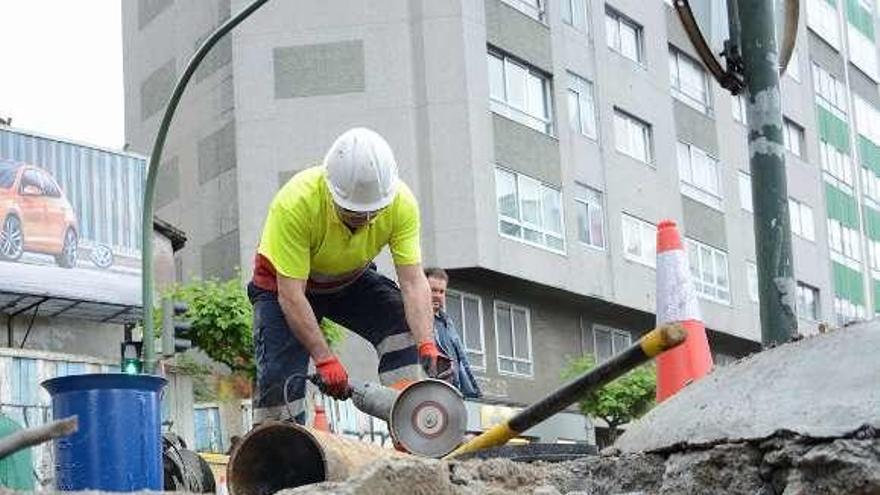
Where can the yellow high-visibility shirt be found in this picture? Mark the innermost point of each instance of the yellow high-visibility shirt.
(304, 238)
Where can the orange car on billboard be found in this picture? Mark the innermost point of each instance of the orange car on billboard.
(35, 216)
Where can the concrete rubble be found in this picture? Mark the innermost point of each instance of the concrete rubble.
(799, 419)
(784, 464)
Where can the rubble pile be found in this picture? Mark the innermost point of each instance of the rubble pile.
(784, 464)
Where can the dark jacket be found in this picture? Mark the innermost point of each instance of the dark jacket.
(449, 343)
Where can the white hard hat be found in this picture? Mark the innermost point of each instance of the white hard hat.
(361, 170)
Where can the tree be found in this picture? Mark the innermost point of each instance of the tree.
(221, 318)
(619, 402)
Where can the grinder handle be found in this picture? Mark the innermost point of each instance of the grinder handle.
(319, 382)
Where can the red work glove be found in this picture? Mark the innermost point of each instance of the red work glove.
(435, 363)
(334, 378)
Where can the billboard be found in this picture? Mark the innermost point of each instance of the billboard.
(70, 224)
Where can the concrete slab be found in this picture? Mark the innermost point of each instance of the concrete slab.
(823, 386)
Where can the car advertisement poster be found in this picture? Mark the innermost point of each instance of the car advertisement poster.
(70, 220)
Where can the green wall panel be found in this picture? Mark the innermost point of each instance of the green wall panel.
(877, 296)
(833, 130)
(841, 206)
(869, 154)
(860, 18)
(872, 223)
(848, 283)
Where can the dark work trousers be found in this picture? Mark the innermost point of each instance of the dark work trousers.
(371, 306)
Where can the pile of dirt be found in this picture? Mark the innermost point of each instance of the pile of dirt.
(784, 464)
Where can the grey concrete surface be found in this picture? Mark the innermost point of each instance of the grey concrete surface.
(822, 386)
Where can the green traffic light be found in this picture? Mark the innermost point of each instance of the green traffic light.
(132, 366)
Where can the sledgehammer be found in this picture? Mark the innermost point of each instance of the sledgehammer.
(660, 339)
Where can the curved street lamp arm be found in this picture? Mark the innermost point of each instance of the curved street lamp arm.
(152, 172)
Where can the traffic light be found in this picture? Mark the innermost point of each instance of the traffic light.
(175, 332)
(131, 362)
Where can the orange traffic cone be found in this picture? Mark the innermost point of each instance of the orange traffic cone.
(321, 423)
(677, 302)
(221, 488)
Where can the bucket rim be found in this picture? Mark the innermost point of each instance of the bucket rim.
(103, 381)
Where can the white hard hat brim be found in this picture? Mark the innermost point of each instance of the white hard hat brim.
(358, 206)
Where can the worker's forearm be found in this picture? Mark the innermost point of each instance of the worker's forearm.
(417, 305)
(302, 322)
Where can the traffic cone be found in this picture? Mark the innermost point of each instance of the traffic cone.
(321, 423)
(221, 488)
(677, 303)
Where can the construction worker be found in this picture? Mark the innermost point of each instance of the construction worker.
(446, 337)
(315, 259)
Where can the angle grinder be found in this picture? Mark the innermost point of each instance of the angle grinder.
(425, 417)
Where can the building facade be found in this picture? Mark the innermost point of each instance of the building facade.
(544, 140)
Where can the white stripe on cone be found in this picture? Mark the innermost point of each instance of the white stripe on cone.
(676, 296)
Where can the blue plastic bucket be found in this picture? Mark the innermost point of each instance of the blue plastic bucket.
(118, 446)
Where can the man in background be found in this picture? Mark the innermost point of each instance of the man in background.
(446, 336)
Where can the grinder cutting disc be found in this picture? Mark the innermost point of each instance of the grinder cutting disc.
(429, 418)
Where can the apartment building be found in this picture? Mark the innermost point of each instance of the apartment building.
(544, 141)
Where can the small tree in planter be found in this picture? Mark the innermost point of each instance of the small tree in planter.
(619, 402)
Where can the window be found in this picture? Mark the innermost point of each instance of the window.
(794, 66)
(837, 166)
(623, 36)
(24, 405)
(581, 106)
(574, 13)
(519, 92)
(830, 92)
(874, 254)
(862, 51)
(513, 339)
(590, 216)
(793, 136)
(807, 302)
(31, 179)
(871, 187)
(699, 174)
(844, 241)
(752, 281)
(208, 430)
(689, 81)
(609, 342)
(745, 191)
(8, 171)
(529, 210)
(847, 312)
(531, 8)
(709, 271)
(867, 119)
(632, 136)
(639, 240)
(822, 18)
(466, 310)
(738, 103)
(801, 219)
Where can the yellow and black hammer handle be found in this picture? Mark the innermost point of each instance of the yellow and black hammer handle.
(649, 346)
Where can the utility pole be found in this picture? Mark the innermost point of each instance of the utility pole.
(760, 60)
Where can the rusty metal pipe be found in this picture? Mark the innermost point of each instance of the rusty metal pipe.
(277, 455)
